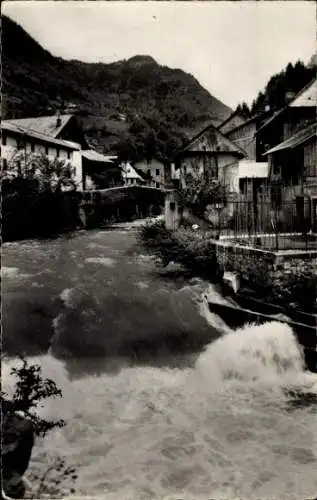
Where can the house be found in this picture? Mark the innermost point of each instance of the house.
(244, 135)
(233, 121)
(19, 143)
(210, 155)
(293, 176)
(290, 136)
(130, 176)
(299, 111)
(100, 171)
(156, 171)
(66, 127)
(59, 126)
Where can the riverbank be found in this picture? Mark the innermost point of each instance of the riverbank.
(278, 277)
(280, 280)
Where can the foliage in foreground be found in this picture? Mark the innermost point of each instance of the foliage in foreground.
(193, 251)
(55, 481)
(19, 419)
(30, 390)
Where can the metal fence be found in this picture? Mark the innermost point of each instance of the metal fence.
(268, 217)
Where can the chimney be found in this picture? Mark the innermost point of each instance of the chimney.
(58, 120)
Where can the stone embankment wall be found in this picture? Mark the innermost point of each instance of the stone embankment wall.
(277, 274)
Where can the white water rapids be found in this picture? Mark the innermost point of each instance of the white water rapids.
(221, 429)
(223, 426)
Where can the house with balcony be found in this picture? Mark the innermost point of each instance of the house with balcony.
(299, 111)
(293, 177)
(290, 136)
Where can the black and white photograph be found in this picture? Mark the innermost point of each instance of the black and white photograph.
(159, 249)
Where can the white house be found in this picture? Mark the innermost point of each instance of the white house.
(130, 176)
(154, 168)
(58, 136)
(18, 140)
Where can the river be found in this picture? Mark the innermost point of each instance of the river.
(160, 398)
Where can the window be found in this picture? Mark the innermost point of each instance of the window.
(46, 150)
(57, 153)
(157, 185)
(157, 171)
(32, 147)
(4, 164)
(68, 155)
(4, 140)
(172, 206)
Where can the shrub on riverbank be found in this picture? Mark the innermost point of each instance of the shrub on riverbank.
(194, 251)
(295, 288)
(39, 197)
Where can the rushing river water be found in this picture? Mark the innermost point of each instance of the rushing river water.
(160, 398)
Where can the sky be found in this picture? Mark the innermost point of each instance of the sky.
(232, 48)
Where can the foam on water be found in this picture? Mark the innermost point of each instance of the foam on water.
(104, 261)
(219, 429)
(12, 272)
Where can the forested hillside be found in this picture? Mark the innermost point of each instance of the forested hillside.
(292, 79)
(133, 106)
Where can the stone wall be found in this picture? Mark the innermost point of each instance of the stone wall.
(280, 276)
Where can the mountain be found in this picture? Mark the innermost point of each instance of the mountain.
(136, 106)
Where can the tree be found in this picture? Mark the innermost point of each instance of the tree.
(51, 174)
(20, 423)
(243, 110)
(198, 193)
(33, 203)
(30, 390)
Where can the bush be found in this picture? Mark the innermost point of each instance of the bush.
(295, 288)
(161, 242)
(194, 251)
(20, 423)
(30, 390)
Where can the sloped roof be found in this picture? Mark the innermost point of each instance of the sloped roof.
(93, 155)
(211, 140)
(296, 139)
(43, 124)
(129, 172)
(13, 127)
(259, 117)
(307, 97)
(233, 120)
